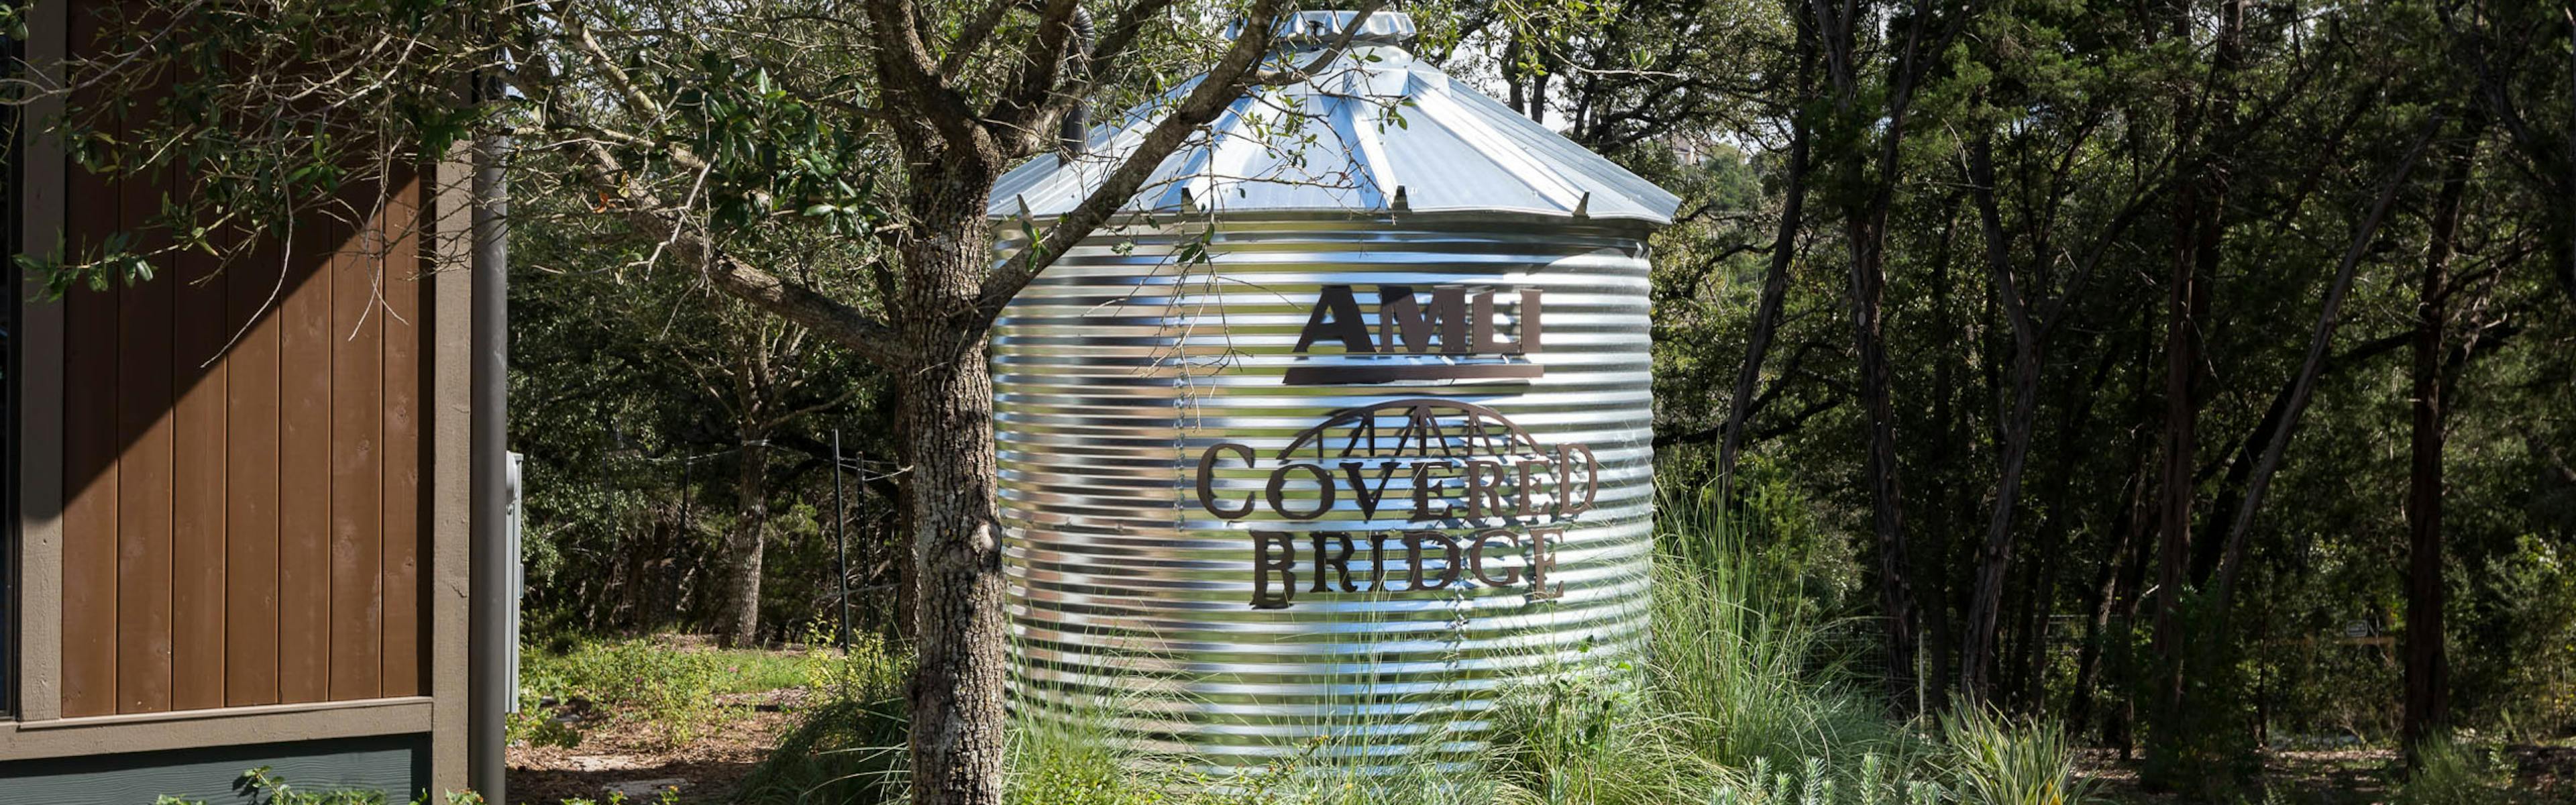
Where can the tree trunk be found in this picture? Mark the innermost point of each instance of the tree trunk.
(2199, 227)
(946, 423)
(2174, 483)
(1887, 517)
(1538, 91)
(745, 545)
(2283, 417)
(2132, 598)
(2137, 536)
(2427, 669)
(1865, 202)
(2104, 597)
(957, 706)
(1943, 487)
(907, 575)
(2127, 515)
(2030, 604)
(1775, 283)
(1979, 654)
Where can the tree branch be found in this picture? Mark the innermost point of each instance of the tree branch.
(2328, 317)
(1105, 58)
(909, 77)
(845, 325)
(971, 39)
(1223, 85)
(1020, 112)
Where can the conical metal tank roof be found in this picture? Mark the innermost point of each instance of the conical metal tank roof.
(1376, 132)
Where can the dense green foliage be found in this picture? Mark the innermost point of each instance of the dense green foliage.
(2046, 144)
(638, 406)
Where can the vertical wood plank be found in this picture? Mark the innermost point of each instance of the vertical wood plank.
(147, 422)
(89, 475)
(304, 465)
(255, 284)
(357, 428)
(89, 440)
(144, 422)
(197, 553)
(404, 332)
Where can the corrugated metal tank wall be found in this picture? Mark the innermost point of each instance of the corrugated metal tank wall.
(1135, 598)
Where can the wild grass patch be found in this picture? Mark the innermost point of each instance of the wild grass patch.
(2450, 772)
(1739, 698)
(674, 691)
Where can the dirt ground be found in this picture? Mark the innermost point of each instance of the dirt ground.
(2547, 776)
(639, 762)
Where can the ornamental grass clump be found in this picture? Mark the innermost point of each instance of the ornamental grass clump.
(1997, 761)
(1592, 736)
(1738, 649)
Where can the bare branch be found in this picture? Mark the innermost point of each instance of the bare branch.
(1106, 57)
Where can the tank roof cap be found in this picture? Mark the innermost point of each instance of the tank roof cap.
(1316, 29)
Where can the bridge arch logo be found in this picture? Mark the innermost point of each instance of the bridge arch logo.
(1482, 501)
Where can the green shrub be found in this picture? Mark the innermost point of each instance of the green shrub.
(2451, 773)
(1079, 761)
(759, 671)
(1868, 782)
(850, 747)
(844, 751)
(265, 787)
(868, 669)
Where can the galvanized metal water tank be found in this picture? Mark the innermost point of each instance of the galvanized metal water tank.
(1343, 431)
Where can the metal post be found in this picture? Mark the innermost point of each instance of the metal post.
(840, 542)
(487, 626)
